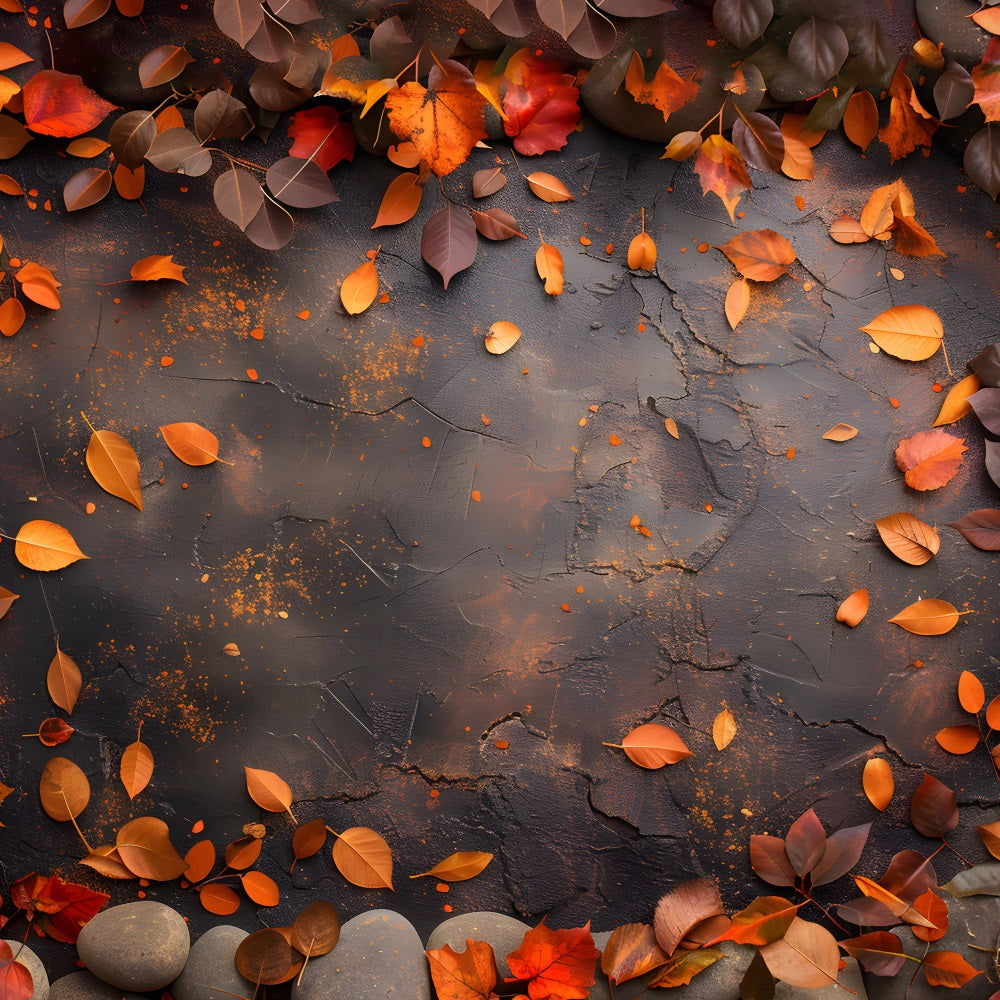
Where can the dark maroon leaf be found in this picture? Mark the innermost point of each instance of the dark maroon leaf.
(221, 116)
(741, 21)
(634, 8)
(131, 136)
(54, 731)
(986, 404)
(953, 91)
(238, 196)
(933, 809)
(509, 16)
(873, 54)
(909, 875)
(271, 228)
(80, 12)
(487, 182)
(982, 159)
(449, 241)
(86, 187)
(594, 37)
(867, 912)
(819, 49)
(300, 183)
(177, 150)
(391, 47)
(163, 64)
(993, 461)
(980, 528)
(238, 19)
(760, 141)
(805, 843)
(986, 364)
(272, 92)
(769, 860)
(843, 849)
(295, 11)
(562, 16)
(496, 224)
(270, 41)
(757, 982)
(303, 65)
(870, 951)
(13, 137)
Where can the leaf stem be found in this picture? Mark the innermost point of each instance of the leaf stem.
(72, 819)
(957, 853)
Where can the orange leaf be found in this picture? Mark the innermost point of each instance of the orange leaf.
(261, 888)
(797, 161)
(502, 337)
(268, 790)
(948, 968)
(898, 907)
(760, 254)
(909, 125)
(861, 119)
(909, 332)
(467, 975)
(928, 617)
(986, 78)
(765, 920)
(7, 598)
(993, 713)
(360, 288)
(243, 853)
(682, 146)
(930, 905)
(157, 268)
(841, 432)
(913, 240)
(956, 403)
(218, 899)
(908, 538)
(723, 729)
(853, 608)
(548, 187)
(642, 252)
(848, 230)
(45, 546)
(40, 285)
(971, 693)
(559, 964)
(63, 789)
(721, 170)
(459, 867)
(988, 19)
(400, 202)
(200, 860)
(11, 56)
(958, 739)
(737, 301)
(443, 120)
(130, 183)
(631, 952)
(363, 857)
(115, 466)
(61, 104)
(64, 681)
(652, 745)
(136, 767)
(929, 459)
(145, 849)
(990, 834)
(191, 443)
(667, 91)
(806, 956)
(308, 839)
(549, 265)
(685, 965)
(87, 147)
(878, 783)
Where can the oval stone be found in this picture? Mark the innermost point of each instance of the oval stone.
(138, 946)
(502, 932)
(210, 972)
(85, 986)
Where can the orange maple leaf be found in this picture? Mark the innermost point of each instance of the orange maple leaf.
(466, 975)
(559, 965)
(444, 120)
(666, 91)
(720, 167)
(986, 77)
(910, 123)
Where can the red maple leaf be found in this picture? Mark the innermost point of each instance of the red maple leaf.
(57, 908)
(319, 135)
(559, 965)
(541, 104)
(15, 979)
(62, 104)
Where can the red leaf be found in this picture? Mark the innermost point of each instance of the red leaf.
(61, 104)
(321, 136)
(666, 91)
(15, 979)
(769, 860)
(933, 809)
(935, 909)
(559, 964)
(57, 908)
(805, 842)
(843, 849)
(986, 77)
(930, 459)
(721, 169)
(541, 104)
(879, 952)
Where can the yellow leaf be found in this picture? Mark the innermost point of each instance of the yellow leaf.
(459, 867)
(737, 301)
(841, 432)
(956, 403)
(642, 253)
(157, 268)
(360, 288)
(910, 332)
(723, 729)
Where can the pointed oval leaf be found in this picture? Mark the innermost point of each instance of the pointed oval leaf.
(64, 681)
(805, 842)
(909, 332)
(503, 335)
(980, 528)
(449, 241)
(77, 13)
(157, 267)
(953, 91)
(842, 852)
(87, 147)
(115, 466)
(818, 49)
(765, 920)
(459, 867)
(958, 739)
(12, 316)
(60, 104)
(11, 56)
(163, 64)
(488, 181)
(261, 888)
(218, 899)
(841, 432)
(971, 693)
(63, 789)
(948, 968)
(631, 952)
(238, 196)
(13, 137)
(807, 956)
(45, 546)
(400, 202)
(878, 782)
(723, 729)
(721, 170)
(145, 849)
(798, 161)
(860, 119)
(308, 839)
(316, 929)
(933, 809)
(105, 861)
(547, 187)
(769, 860)
(653, 745)
(956, 404)
(271, 228)
(7, 598)
(909, 874)
(742, 21)
(131, 136)
(191, 443)
(39, 284)
(931, 616)
(986, 404)
(993, 713)
(496, 224)
(360, 288)
(549, 265)
(737, 302)
(178, 151)
(363, 857)
(136, 768)
(980, 880)
(760, 254)
(221, 116)
(685, 965)
(243, 853)
(930, 459)
(238, 19)
(908, 538)
(300, 183)
(853, 608)
(268, 790)
(760, 140)
(200, 861)
(878, 952)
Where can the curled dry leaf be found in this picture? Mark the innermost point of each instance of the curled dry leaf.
(261, 888)
(39, 284)
(653, 745)
(929, 459)
(191, 443)
(52, 732)
(316, 929)
(136, 767)
(928, 617)
(686, 908)
(760, 254)
(765, 920)
(547, 187)
(853, 608)
(908, 538)
(723, 729)
(631, 952)
(363, 857)
(106, 861)
(841, 432)
(200, 861)
(958, 739)
(909, 332)
(115, 466)
(145, 849)
(264, 957)
(63, 789)
(45, 546)
(64, 681)
(848, 230)
(549, 265)
(308, 840)
(956, 404)
(980, 528)
(737, 301)
(157, 268)
(268, 790)
(459, 867)
(218, 899)
(502, 337)
(682, 146)
(878, 782)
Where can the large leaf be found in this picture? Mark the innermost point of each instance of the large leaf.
(115, 466)
(63, 789)
(667, 92)
(842, 852)
(541, 104)
(559, 964)
(316, 929)
(908, 538)
(806, 956)
(57, 908)
(721, 170)
(909, 875)
(60, 104)
(239, 19)
(562, 16)
(45, 546)
(238, 196)
(363, 857)
(980, 880)
(931, 616)
(683, 908)
(742, 21)
(467, 975)
(769, 860)
(930, 459)
(910, 332)
(933, 809)
(300, 183)
(145, 849)
(449, 241)
(805, 843)
(980, 528)
(948, 968)
(760, 254)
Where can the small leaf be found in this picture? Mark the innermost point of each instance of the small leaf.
(933, 809)
(261, 888)
(268, 790)
(157, 268)
(360, 288)
(765, 920)
(316, 929)
(956, 404)
(642, 252)
(87, 147)
(853, 608)
(131, 137)
(723, 729)
(271, 228)
(191, 443)
(971, 693)
(449, 241)
(11, 56)
(64, 681)
(136, 767)
(861, 119)
(682, 146)
(300, 183)
(760, 140)
(908, 538)
(163, 64)
(631, 952)
(231, 649)
(145, 849)
(115, 466)
(769, 860)
(993, 713)
(953, 91)
(910, 332)
(737, 301)
(466, 975)
(841, 432)
(218, 899)
(653, 745)
(878, 952)
(948, 968)
(980, 528)
(63, 789)
(308, 839)
(990, 834)
(547, 187)
(878, 782)
(549, 265)
(12, 316)
(760, 254)
(39, 284)
(848, 230)
(742, 21)
(363, 857)
(80, 12)
(721, 170)
(400, 202)
(958, 739)
(487, 182)
(502, 337)
(129, 183)
(53, 732)
(459, 867)
(243, 853)
(496, 224)
(928, 617)
(200, 861)
(238, 196)
(930, 459)
(45, 546)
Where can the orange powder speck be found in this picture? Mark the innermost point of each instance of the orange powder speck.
(702, 247)
(501, 744)
(645, 532)
(640, 327)
(894, 403)
(593, 407)
(418, 341)
(918, 663)
(144, 882)
(800, 202)
(485, 419)
(216, 243)
(370, 254)
(709, 508)
(937, 387)
(790, 454)
(579, 589)
(166, 361)
(610, 248)
(614, 440)
(468, 729)
(117, 301)
(305, 314)
(252, 374)
(434, 793)
(15, 262)
(807, 286)
(740, 214)
(710, 42)
(584, 242)
(141, 894)
(426, 442)
(241, 306)
(476, 496)
(565, 607)
(257, 333)
(635, 521)
(90, 508)
(184, 486)
(961, 189)
(443, 887)
(384, 297)
(446, 908)
(582, 422)
(47, 205)
(684, 249)
(184, 190)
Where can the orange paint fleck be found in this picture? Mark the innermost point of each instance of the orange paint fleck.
(443, 887)
(709, 508)
(610, 248)
(141, 894)
(710, 42)
(166, 361)
(584, 242)
(501, 744)
(257, 333)
(593, 407)
(417, 341)
(305, 314)
(740, 214)
(614, 440)
(684, 249)
(790, 454)
(198, 826)
(894, 403)
(476, 496)
(384, 297)
(90, 508)
(579, 589)
(641, 327)
(241, 306)
(807, 286)
(565, 607)
(446, 908)
(937, 387)
(15, 261)
(645, 532)
(485, 419)
(426, 442)
(252, 374)
(800, 202)
(961, 189)
(635, 521)
(702, 247)
(184, 486)
(434, 793)
(918, 663)
(370, 254)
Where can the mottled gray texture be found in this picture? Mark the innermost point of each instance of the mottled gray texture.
(85, 986)
(502, 932)
(211, 963)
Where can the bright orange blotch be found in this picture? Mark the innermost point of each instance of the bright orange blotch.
(305, 314)
(501, 744)
(257, 333)
(702, 247)
(476, 496)
(937, 387)
(417, 341)
(485, 419)
(584, 242)
(614, 440)
(645, 532)
(894, 403)
(90, 508)
(426, 442)
(198, 826)
(443, 887)
(166, 361)
(790, 454)
(565, 607)
(610, 248)
(252, 374)
(800, 202)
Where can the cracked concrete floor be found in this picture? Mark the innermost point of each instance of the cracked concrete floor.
(406, 660)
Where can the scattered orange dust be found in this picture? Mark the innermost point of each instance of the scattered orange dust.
(485, 419)
(641, 327)
(593, 407)
(257, 333)
(501, 744)
(643, 530)
(894, 403)
(610, 248)
(565, 608)
(184, 190)
(684, 249)
(937, 387)
(582, 422)
(15, 262)
(305, 314)
(384, 297)
(241, 306)
(709, 508)
(443, 887)
(252, 374)
(476, 496)
(702, 247)
(584, 241)
(434, 793)
(166, 361)
(579, 589)
(790, 454)
(635, 521)
(418, 341)
(918, 663)
(90, 508)
(446, 908)
(800, 202)
(614, 440)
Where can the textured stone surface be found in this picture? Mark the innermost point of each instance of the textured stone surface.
(210, 963)
(503, 932)
(948, 21)
(23, 954)
(379, 955)
(135, 946)
(86, 986)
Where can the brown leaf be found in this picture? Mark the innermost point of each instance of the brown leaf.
(363, 857)
(218, 899)
(723, 729)
(360, 288)
(115, 466)
(400, 202)
(45, 546)
(990, 834)
(261, 888)
(39, 284)
(980, 528)
(929, 459)
(136, 767)
(163, 64)
(12, 316)
(737, 301)
(631, 952)
(157, 268)
(53, 732)
(841, 432)
(721, 170)
(908, 538)
(928, 617)
(264, 957)
(63, 789)
(878, 782)
(503, 335)
(652, 745)
(933, 808)
(760, 254)
(861, 119)
(316, 930)
(958, 739)
(807, 956)
(448, 242)
(853, 608)
(7, 598)
(760, 140)
(848, 230)
(971, 693)
(466, 975)
(308, 840)
(200, 861)
(145, 849)
(459, 867)
(488, 181)
(129, 183)
(956, 404)
(191, 443)
(496, 224)
(549, 265)
(547, 187)
(910, 332)
(268, 790)
(80, 12)
(64, 681)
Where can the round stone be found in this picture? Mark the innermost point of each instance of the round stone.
(210, 972)
(379, 954)
(503, 933)
(948, 21)
(23, 954)
(85, 986)
(136, 946)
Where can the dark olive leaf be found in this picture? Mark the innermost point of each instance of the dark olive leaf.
(86, 187)
(221, 116)
(272, 92)
(131, 136)
(805, 843)
(980, 528)
(177, 150)
(819, 49)
(163, 64)
(843, 849)
(13, 137)
(867, 912)
(741, 21)
(986, 404)
(986, 364)
(449, 241)
(300, 183)
(634, 8)
(980, 880)
(993, 461)
(80, 12)
(769, 860)
(271, 228)
(760, 141)
(295, 11)
(496, 224)
(982, 159)
(827, 112)
(562, 16)
(953, 91)
(594, 37)
(270, 41)
(873, 54)
(909, 875)
(238, 19)
(933, 809)
(391, 47)
(238, 196)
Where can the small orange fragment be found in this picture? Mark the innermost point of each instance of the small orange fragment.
(501, 744)
(252, 374)
(426, 442)
(305, 314)
(446, 908)
(790, 454)
(579, 590)
(434, 793)
(702, 248)
(614, 440)
(166, 361)
(565, 607)
(635, 521)
(384, 297)
(800, 202)
(443, 887)
(417, 341)
(709, 508)
(584, 241)
(90, 508)
(593, 407)
(485, 419)
(643, 530)
(894, 403)
(257, 333)
(198, 826)
(610, 248)
(241, 306)
(476, 496)
(937, 387)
